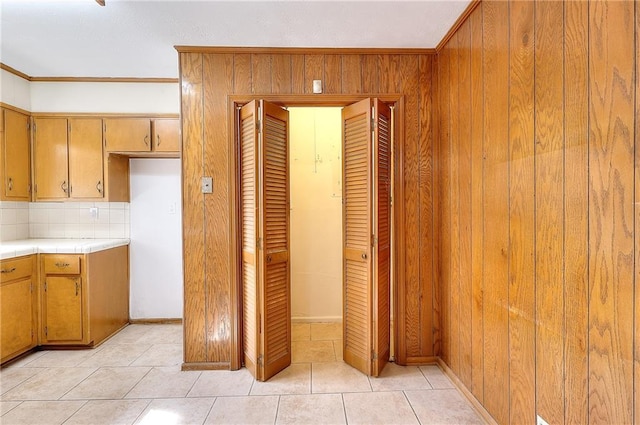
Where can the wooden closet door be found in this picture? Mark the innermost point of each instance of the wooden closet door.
(366, 235)
(264, 194)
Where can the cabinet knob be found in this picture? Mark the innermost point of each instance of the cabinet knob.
(10, 183)
(158, 137)
(99, 186)
(64, 187)
(146, 140)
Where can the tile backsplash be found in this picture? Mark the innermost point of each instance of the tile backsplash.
(92, 220)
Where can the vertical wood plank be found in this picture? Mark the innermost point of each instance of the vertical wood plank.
(464, 183)
(454, 107)
(218, 78)
(477, 200)
(313, 70)
(332, 74)
(281, 81)
(425, 175)
(261, 73)
(195, 348)
(576, 209)
(521, 214)
(437, 269)
(611, 239)
(549, 187)
(370, 74)
(496, 208)
(297, 74)
(242, 79)
(636, 414)
(352, 74)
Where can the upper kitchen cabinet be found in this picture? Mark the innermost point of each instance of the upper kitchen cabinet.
(15, 163)
(69, 163)
(142, 136)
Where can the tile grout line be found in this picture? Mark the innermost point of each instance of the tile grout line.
(411, 406)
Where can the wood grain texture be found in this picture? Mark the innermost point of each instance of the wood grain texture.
(195, 341)
(611, 236)
(370, 74)
(439, 124)
(464, 199)
(454, 108)
(426, 187)
(332, 74)
(496, 208)
(576, 210)
(477, 200)
(218, 78)
(521, 214)
(261, 73)
(297, 74)
(281, 79)
(636, 376)
(242, 77)
(313, 70)
(352, 74)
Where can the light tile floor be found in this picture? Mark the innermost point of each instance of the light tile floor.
(135, 378)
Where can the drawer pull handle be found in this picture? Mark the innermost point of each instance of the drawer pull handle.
(77, 288)
(11, 182)
(62, 265)
(146, 140)
(11, 270)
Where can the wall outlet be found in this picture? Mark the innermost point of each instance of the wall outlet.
(172, 208)
(93, 213)
(540, 421)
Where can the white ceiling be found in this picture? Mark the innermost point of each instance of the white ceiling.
(71, 38)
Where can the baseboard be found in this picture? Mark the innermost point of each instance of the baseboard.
(159, 321)
(317, 319)
(464, 390)
(206, 366)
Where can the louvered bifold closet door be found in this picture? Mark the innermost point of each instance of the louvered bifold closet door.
(276, 308)
(382, 235)
(248, 141)
(357, 276)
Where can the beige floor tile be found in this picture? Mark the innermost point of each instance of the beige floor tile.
(162, 334)
(436, 377)
(14, 376)
(6, 406)
(378, 408)
(442, 407)
(326, 331)
(300, 332)
(176, 411)
(63, 358)
(116, 355)
(42, 412)
(108, 412)
(243, 410)
(130, 335)
(311, 409)
(164, 382)
(312, 351)
(28, 358)
(222, 383)
(108, 383)
(337, 347)
(50, 384)
(337, 377)
(296, 379)
(160, 355)
(394, 377)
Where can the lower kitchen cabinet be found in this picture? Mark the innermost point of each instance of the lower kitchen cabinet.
(18, 306)
(85, 297)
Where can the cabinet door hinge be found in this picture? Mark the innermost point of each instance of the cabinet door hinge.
(260, 359)
(46, 331)
(259, 243)
(373, 240)
(29, 188)
(374, 355)
(34, 127)
(259, 126)
(45, 287)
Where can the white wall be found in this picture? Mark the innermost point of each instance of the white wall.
(159, 98)
(156, 239)
(316, 214)
(15, 91)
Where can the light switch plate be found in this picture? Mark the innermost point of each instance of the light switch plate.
(207, 185)
(317, 86)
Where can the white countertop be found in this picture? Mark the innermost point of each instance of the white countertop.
(11, 249)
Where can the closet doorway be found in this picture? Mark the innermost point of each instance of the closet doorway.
(263, 195)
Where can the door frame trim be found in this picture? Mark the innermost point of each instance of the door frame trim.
(398, 254)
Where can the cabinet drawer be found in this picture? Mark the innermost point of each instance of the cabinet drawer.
(16, 269)
(62, 264)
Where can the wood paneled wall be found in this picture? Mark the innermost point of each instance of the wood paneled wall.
(538, 177)
(207, 78)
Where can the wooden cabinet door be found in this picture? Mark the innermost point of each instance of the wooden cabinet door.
(63, 309)
(127, 134)
(16, 318)
(51, 158)
(366, 235)
(265, 238)
(16, 161)
(86, 162)
(166, 135)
